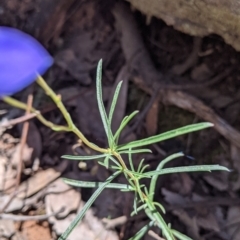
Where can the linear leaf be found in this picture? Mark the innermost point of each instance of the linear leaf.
(85, 184)
(115, 161)
(144, 150)
(88, 204)
(123, 124)
(114, 101)
(131, 161)
(152, 212)
(139, 235)
(86, 158)
(166, 135)
(101, 107)
(159, 167)
(201, 168)
(180, 236)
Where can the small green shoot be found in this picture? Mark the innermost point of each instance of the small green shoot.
(113, 157)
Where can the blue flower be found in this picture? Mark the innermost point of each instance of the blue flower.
(22, 58)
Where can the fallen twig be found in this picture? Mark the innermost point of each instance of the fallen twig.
(19, 218)
(21, 119)
(112, 223)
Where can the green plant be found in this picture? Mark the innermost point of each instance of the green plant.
(111, 158)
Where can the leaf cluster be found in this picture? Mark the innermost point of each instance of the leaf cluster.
(111, 158)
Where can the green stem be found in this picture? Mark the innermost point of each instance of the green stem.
(15, 103)
(57, 100)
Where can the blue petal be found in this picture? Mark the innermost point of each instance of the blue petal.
(21, 58)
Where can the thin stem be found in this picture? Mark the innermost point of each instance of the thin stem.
(15, 103)
(71, 126)
(57, 100)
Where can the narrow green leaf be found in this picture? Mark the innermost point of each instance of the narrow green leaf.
(88, 204)
(123, 124)
(180, 236)
(138, 175)
(114, 101)
(165, 136)
(84, 184)
(140, 166)
(139, 235)
(102, 164)
(138, 209)
(116, 162)
(135, 203)
(153, 214)
(159, 167)
(201, 168)
(144, 150)
(101, 107)
(84, 158)
(160, 206)
(144, 167)
(168, 159)
(106, 162)
(131, 161)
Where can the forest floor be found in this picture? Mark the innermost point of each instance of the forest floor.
(173, 80)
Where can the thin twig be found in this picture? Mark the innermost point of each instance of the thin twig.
(28, 218)
(23, 140)
(154, 235)
(112, 223)
(18, 120)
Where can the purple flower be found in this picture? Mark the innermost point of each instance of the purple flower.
(22, 58)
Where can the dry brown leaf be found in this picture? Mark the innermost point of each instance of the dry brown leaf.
(18, 236)
(152, 118)
(7, 228)
(26, 156)
(37, 182)
(34, 231)
(14, 205)
(89, 228)
(67, 200)
(97, 227)
(7, 175)
(58, 186)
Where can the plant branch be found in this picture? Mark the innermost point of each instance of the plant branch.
(71, 126)
(15, 103)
